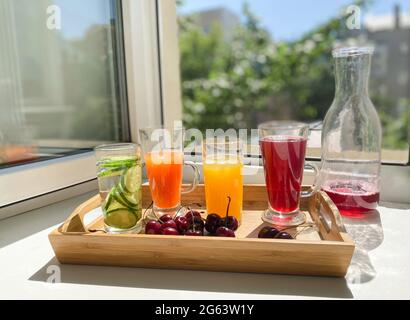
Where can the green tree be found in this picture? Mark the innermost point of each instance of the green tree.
(251, 78)
(89, 88)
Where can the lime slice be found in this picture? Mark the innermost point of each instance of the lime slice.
(121, 219)
(131, 179)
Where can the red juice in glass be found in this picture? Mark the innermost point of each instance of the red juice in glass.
(283, 158)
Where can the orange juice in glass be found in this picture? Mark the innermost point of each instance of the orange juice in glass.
(164, 171)
(164, 161)
(222, 165)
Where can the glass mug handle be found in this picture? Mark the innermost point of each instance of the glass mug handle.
(196, 179)
(316, 186)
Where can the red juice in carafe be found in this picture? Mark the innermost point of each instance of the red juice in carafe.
(284, 159)
(354, 198)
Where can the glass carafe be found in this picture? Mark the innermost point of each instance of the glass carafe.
(351, 137)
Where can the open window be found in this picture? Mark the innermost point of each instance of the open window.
(243, 63)
(74, 75)
(78, 74)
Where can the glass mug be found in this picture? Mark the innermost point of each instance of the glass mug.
(119, 179)
(283, 148)
(222, 166)
(163, 150)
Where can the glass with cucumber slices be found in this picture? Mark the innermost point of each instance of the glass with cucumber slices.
(120, 178)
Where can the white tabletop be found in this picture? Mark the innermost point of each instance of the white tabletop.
(380, 268)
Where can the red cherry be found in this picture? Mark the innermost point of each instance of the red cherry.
(165, 218)
(197, 224)
(194, 233)
(284, 235)
(182, 224)
(230, 222)
(268, 233)
(225, 232)
(191, 214)
(169, 224)
(153, 227)
(170, 232)
(213, 221)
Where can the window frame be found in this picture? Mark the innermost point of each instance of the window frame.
(137, 52)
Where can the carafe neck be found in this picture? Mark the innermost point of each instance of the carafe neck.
(352, 75)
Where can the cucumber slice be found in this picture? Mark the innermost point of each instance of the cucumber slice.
(126, 199)
(115, 166)
(115, 205)
(114, 201)
(108, 201)
(131, 199)
(118, 162)
(110, 172)
(131, 179)
(119, 198)
(121, 219)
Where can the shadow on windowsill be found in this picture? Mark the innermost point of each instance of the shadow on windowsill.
(26, 224)
(399, 206)
(198, 281)
(367, 233)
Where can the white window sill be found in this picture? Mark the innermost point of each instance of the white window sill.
(72, 176)
(37, 182)
(39, 178)
(380, 267)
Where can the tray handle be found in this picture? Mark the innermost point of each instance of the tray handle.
(75, 222)
(335, 231)
(336, 218)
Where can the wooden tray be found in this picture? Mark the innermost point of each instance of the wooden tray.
(325, 250)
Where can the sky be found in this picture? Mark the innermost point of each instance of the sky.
(285, 19)
(78, 15)
(289, 19)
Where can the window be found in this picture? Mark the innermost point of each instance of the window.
(246, 62)
(118, 65)
(73, 74)
(61, 67)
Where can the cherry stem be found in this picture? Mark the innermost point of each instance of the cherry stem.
(179, 211)
(227, 211)
(304, 227)
(146, 210)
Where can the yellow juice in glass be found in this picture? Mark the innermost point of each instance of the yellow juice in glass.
(223, 179)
